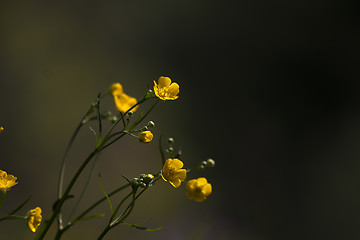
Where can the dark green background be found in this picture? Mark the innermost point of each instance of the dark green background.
(269, 89)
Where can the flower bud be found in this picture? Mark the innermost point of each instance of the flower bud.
(170, 140)
(210, 163)
(145, 136)
(148, 178)
(151, 124)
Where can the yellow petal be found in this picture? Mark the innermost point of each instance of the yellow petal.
(173, 89)
(201, 182)
(176, 163)
(176, 183)
(207, 189)
(164, 82)
(181, 174)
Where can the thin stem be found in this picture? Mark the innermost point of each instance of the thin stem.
(66, 194)
(62, 169)
(78, 218)
(13, 217)
(119, 205)
(2, 198)
(143, 99)
(63, 165)
(91, 174)
(102, 235)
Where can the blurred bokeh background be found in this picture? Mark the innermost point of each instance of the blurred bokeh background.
(269, 89)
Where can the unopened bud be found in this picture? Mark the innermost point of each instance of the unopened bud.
(170, 140)
(151, 124)
(210, 163)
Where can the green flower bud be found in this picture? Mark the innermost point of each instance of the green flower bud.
(170, 140)
(210, 163)
(151, 124)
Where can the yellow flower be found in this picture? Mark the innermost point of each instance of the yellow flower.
(166, 90)
(123, 101)
(1, 129)
(34, 218)
(145, 136)
(6, 181)
(173, 172)
(198, 189)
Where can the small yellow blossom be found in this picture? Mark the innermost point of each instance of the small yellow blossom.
(198, 189)
(165, 90)
(1, 129)
(123, 101)
(173, 172)
(145, 136)
(6, 181)
(34, 218)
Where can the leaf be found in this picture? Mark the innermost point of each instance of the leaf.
(90, 217)
(142, 228)
(107, 197)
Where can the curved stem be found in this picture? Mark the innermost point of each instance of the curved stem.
(63, 165)
(66, 194)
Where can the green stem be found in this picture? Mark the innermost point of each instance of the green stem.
(2, 198)
(63, 165)
(13, 217)
(119, 205)
(91, 174)
(66, 194)
(78, 218)
(102, 235)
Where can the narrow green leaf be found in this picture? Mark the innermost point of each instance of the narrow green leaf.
(128, 180)
(142, 228)
(90, 217)
(107, 197)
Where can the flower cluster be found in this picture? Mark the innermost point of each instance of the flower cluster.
(196, 189)
(172, 171)
(33, 217)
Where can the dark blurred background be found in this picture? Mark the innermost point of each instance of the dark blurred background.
(269, 89)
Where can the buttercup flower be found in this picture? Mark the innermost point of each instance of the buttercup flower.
(1, 129)
(165, 90)
(173, 172)
(198, 189)
(6, 181)
(34, 218)
(145, 136)
(123, 101)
